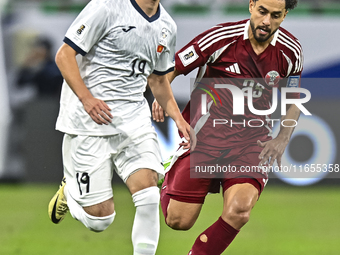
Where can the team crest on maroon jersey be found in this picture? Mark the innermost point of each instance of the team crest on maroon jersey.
(272, 78)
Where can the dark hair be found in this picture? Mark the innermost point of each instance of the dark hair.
(290, 4)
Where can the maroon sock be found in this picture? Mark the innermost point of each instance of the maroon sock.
(215, 239)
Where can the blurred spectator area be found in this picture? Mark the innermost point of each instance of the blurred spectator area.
(192, 7)
(305, 7)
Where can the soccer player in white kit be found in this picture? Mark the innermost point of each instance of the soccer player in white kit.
(112, 50)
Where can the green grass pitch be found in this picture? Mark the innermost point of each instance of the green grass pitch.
(285, 221)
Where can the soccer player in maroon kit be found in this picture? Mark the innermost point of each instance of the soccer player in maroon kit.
(257, 54)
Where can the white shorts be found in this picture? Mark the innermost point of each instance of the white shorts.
(89, 162)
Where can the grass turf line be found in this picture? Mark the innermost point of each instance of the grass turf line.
(285, 221)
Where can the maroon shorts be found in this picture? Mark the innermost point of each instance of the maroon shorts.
(184, 183)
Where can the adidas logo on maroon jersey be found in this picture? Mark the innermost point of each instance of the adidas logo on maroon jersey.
(234, 69)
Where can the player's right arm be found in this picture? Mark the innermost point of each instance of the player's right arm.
(67, 64)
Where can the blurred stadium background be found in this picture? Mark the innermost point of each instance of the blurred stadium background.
(293, 216)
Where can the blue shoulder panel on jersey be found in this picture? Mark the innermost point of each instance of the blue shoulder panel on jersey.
(163, 73)
(150, 19)
(74, 46)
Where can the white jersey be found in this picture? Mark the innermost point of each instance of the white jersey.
(120, 47)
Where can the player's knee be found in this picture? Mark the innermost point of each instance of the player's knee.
(178, 225)
(242, 217)
(239, 215)
(177, 222)
(98, 224)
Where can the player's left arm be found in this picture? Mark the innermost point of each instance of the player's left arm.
(157, 111)
(274, 149)
(161, 89)
(187, 59)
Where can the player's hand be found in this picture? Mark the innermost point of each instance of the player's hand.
(272, 150)
(98, 110)
(188, 134)
(158, 112)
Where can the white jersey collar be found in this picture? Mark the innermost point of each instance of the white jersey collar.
(150, 19)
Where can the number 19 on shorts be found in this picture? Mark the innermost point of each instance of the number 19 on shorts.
(83, 180)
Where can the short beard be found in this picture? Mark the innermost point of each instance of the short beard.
(260, 39)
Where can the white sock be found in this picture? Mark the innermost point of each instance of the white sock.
(93, 223)
(145, 230)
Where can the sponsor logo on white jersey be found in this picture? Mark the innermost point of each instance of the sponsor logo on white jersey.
(82, 30)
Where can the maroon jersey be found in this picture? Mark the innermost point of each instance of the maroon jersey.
(224, 55)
